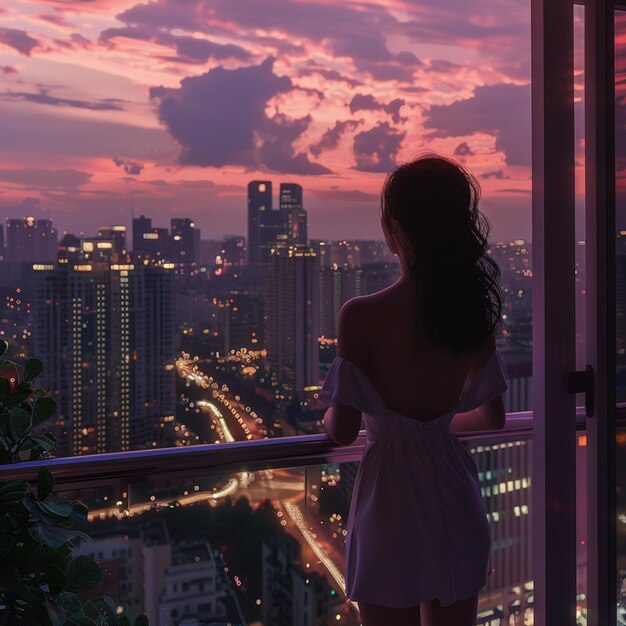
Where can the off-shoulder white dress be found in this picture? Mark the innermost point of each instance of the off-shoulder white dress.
(417, 528)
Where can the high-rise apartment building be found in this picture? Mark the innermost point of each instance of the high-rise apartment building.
(295, 216)
(30, 240)
(105, 333)
(292, 318)
(336, 286)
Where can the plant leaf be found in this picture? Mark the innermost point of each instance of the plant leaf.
(6, 544)
(49, 535)
(19, 422)
(105, 610)
(9, 491)
(56, 613)
(83, 573)
(80, 511)
(30, 593)
(71, 602)
(142, 620)
(82, 535)
(44, 409)
(45, 483)
(5, 389)
(10, 577)
(44, 441)
(56, 579)
(61, 510)
(4, 346)
(32, 369)
(5, 426)
(80, 620)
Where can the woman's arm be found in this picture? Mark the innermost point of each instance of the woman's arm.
(342, 421)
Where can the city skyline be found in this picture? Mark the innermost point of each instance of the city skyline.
(171, 115)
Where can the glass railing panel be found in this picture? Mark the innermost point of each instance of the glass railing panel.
(268, 546)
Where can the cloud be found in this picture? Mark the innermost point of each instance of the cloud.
(54, 18)
(75, 42)
(45, 179)
(367, 102)
(341, 29)
(131, 167)
(498, 175)
(375, 149)
(343, 195)
(501, 110)
(42, 97)
(329, 75)
(20, 40)
(463, 150)
(219, 118)
(46, 136)
(188, 49)
(330, 139)
(7, 69)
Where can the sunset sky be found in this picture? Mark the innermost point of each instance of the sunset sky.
(172, 106)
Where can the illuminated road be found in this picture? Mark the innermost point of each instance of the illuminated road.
(285, 491)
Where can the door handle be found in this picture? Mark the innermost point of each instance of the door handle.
(583, 381)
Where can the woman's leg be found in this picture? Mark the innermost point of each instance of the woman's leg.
(377, 615)
(461, 613)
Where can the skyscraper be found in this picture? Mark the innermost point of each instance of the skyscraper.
(30, 240)
(295, 216)
(259, 201)
(266, 225)
(292, 318)
(105, 333)
(185, 242)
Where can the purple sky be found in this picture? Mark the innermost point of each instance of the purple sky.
(172, 106)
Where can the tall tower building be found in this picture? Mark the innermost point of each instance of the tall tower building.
(185, 244)
(336, 286)
(294, 214)
(259, 201)
(266, 225)
(105, 333)
(292, 318)
(30, 240)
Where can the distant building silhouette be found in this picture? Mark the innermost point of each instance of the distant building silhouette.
(185, 241)
(30, 240)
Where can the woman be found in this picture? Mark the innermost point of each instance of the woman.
(417, 362)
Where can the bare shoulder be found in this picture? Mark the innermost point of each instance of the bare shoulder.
(354, 322)
(355, 308)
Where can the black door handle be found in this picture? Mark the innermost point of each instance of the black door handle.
(584, 382)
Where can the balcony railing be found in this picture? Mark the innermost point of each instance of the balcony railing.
(296, 451)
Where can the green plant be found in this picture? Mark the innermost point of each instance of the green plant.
(39, 577)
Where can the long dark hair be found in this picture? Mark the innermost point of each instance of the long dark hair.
(434, 202)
